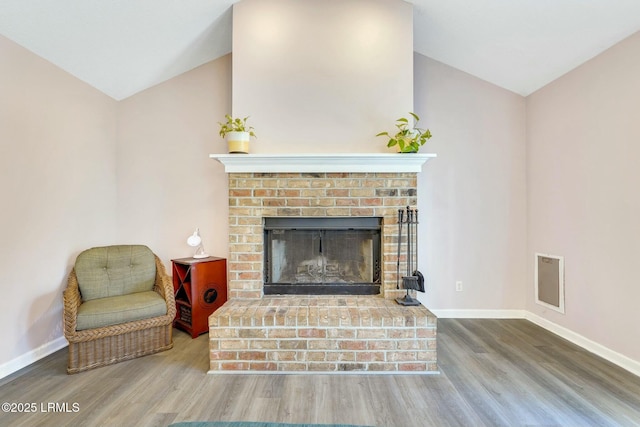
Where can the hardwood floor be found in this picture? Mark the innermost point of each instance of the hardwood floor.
(493, 373)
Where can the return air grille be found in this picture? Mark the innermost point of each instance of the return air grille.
(549, 281)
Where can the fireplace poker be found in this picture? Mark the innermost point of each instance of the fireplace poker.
(409, 255)
(417, 272)
(400, 219)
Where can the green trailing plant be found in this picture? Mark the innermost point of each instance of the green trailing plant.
(235, 125)
(408, 138)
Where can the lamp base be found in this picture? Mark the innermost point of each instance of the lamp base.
(200, 253)
(198, 256)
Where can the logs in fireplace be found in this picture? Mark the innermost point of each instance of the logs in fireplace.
(322, 255)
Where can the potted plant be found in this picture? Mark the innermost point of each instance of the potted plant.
(237, 133)
(409, 138)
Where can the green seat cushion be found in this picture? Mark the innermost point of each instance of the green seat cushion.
(110, 271)
(109, 311)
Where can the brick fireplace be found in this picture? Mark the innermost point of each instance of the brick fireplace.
(254, 196)
(253, 332)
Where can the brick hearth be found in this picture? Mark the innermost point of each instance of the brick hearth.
(328, 334)
(256, 333)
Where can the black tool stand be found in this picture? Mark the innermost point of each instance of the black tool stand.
(407, 300)
(408, 282)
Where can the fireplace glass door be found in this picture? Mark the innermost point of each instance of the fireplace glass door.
(322, 256)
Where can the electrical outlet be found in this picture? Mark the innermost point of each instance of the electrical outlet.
(459, 286)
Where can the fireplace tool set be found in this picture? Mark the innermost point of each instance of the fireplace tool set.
(414, 280)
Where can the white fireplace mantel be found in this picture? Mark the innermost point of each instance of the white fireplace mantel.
(318, 163)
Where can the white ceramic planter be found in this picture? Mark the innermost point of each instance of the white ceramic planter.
(238, 142)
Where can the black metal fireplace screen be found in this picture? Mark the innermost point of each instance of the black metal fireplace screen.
(322, 256)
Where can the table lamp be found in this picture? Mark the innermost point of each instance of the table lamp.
(195, 241)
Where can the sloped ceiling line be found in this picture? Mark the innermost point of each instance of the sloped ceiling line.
(122, 47)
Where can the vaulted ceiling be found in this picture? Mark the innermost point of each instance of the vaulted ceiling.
(124, 46)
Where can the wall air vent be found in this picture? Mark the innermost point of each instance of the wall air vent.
(549, 281)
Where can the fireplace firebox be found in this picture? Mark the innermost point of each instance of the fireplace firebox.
(322, 255)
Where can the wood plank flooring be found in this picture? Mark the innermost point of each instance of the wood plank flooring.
(493, 373)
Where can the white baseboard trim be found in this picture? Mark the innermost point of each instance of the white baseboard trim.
(616, 358)
(32, 356)
(479, 314)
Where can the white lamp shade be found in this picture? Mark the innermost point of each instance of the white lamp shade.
(194, 240)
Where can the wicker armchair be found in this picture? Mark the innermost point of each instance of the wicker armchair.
(116, 341)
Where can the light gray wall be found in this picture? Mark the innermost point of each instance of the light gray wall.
(58, 192)
(583, 199)
(472, 197)
(167, 185)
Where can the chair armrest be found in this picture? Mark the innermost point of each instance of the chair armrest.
(164, 287)
(71, 301)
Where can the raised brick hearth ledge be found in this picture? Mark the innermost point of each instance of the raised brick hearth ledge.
(321, 334)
